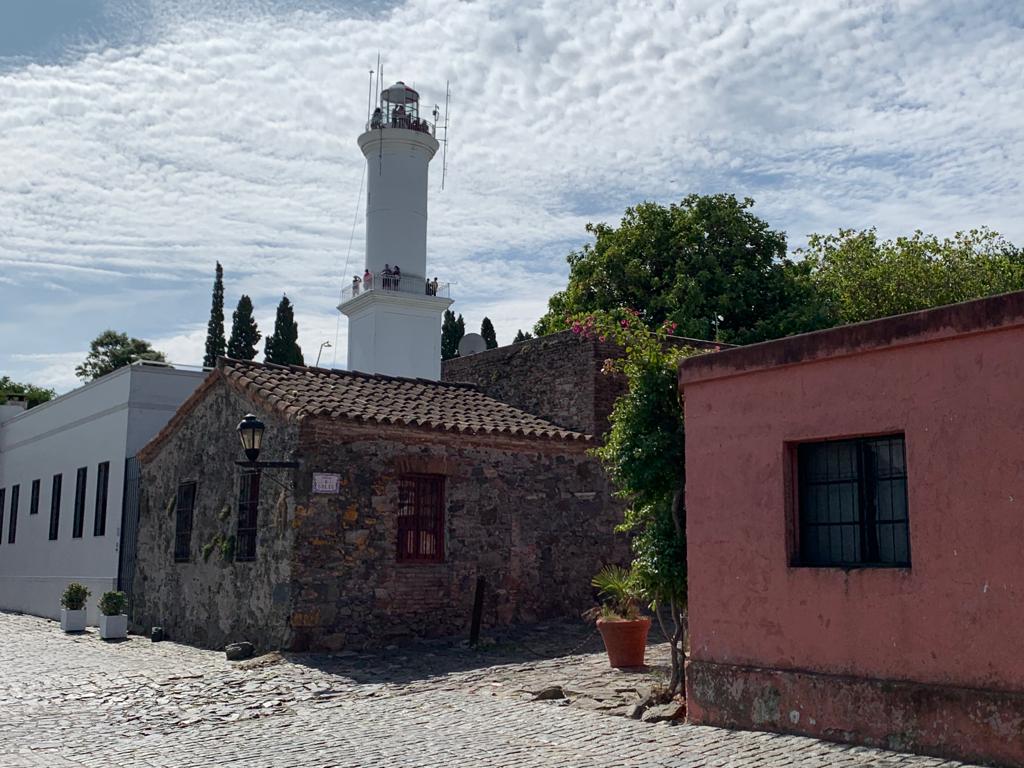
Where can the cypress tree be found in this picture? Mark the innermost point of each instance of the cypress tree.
(449, 342)
(282, 345)
(215, 344)
(245, 335)
(520, 336)
(487, 331)
(460, 331)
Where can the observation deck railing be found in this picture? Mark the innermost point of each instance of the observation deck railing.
(405, 283)
(407, 122)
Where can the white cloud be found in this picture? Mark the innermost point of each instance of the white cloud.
(126, 172)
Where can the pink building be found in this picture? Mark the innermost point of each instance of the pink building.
(855, 527)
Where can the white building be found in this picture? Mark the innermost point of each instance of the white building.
(394, 320)
(63, 468)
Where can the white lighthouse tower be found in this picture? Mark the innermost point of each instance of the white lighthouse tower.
(394, 305)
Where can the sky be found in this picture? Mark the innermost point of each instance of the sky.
(141, 141)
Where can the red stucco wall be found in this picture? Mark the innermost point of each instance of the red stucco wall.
(956, 617)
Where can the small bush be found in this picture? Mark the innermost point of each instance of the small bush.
(113, 603)
(227, 549)
(74, 596)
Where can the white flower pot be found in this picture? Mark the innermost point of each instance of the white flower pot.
(113, 627)
(72, 621)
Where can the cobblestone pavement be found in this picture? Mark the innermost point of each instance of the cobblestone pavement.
(76, 701)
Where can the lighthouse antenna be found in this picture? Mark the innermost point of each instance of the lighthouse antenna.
(369, 98)
(444, 141)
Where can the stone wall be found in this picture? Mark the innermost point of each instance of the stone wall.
(535, 519)
(556, 377)
(210, 600)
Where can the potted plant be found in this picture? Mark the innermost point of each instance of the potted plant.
(72, 612)
(622, 627)
(113, 620)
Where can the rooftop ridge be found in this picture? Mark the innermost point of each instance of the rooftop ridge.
(223, 362)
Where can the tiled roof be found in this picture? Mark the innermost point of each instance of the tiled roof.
(299, 392)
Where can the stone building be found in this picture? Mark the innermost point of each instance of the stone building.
(422, 487)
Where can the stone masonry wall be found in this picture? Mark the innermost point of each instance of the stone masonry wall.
(535, 519)
(556, 377)
(210, 600)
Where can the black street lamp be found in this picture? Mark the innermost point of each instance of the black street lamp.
(250, 432)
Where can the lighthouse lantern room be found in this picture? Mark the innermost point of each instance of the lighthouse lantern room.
(394, 307)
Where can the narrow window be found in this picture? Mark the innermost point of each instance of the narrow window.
(183, 521)
(55, 507)
(33, 503)
(853, 503)
(248, 508)
(99, 523)
(78, 522)
(15, 498)
(3, 497)
(421, 519)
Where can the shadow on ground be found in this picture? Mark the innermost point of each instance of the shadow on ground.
(547, 645)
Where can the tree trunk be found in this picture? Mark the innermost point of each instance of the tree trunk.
(679, 618)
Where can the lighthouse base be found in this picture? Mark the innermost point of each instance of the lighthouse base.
(396, 334)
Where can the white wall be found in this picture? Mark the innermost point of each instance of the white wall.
(109, 419)
(395, 334)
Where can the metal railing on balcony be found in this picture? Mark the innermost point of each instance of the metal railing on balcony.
(407, 122)
(392, 283)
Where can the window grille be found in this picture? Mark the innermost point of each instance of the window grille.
(99, 523)
(15, 498)
(33, 503)
(55, 506)
(421, 519)
(78, 522)
(853, 503)
(183, 521)
(248, 508)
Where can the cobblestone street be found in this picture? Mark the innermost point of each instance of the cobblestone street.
(72, 701)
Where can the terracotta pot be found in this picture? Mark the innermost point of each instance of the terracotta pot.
(625, 641)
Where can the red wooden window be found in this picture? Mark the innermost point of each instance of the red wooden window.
(421, 519)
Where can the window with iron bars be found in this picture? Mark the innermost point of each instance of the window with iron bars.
(421, 519)
(183, 507)
(15, 499)
(55, 489)
(78, 521)
(852, 503)
(99, 521)
(33, 503)
(248, 510)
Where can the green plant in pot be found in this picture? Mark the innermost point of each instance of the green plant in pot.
(113, 620)
(623, 628)
(72, 611)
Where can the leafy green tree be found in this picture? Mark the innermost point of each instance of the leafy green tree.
(215, 344)
(860, 278)
(644, 454)
(245, 334)
(112, 350)
(452, 331)
(33, 394)
(707, 264)
(282, 346)
(487, 331)
(520, 336)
